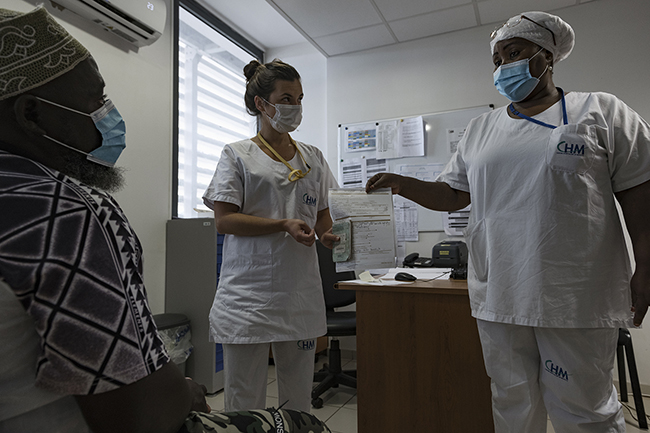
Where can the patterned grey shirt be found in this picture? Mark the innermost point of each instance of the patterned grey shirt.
(74, 262)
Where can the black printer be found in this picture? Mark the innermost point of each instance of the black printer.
(451, 254)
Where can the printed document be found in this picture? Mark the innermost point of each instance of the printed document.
(355, 172)
(371, 229)
(400, 138)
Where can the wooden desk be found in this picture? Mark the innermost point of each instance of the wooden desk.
(419, 360)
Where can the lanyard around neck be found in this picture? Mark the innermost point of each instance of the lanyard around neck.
(295, 173)
(539, 122)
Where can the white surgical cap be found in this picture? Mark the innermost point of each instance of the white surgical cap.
(525, 29)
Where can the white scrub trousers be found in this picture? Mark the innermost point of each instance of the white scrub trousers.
(246, 368)
(567, 373)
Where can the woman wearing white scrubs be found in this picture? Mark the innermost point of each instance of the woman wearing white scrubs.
(549, 274)
(269, 196)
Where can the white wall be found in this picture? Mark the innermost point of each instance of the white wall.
(454, 71)
(140, 85)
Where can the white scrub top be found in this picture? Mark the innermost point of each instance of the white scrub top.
(546, 245)
(269, 288)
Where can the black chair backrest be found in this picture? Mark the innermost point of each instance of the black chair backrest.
(333, 298)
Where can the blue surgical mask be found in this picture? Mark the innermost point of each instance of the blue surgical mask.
(110, 124)
(513, 80)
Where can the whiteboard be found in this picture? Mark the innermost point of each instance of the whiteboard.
(358, 141)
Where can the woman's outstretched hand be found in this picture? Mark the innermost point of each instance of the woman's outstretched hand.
(384, 180)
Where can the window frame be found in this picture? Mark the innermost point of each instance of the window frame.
(225, 30)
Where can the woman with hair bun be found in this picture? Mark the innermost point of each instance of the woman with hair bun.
(269, 196)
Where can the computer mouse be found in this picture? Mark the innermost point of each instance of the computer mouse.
(404, 276)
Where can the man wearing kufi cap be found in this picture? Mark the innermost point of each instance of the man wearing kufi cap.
(78, 344)
(79, 349)
(549, 275)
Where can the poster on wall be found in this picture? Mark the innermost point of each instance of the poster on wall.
(406, 219)
(355, 172)
(424, 172)
(456, 222)
(362, 137)
(454, 135)
(400, 138)
(411, 137)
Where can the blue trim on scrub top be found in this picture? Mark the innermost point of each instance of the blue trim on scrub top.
(539, 122)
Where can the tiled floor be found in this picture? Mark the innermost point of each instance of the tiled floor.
(339, 410)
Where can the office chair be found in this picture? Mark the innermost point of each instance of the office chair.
(339, 324)
(625, 343)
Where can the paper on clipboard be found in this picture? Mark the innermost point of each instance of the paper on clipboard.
(372, 227)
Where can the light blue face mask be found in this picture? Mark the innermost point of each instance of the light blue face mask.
(513, 80)
(110, 124)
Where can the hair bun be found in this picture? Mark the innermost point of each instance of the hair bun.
(251, 69)
(261, 81)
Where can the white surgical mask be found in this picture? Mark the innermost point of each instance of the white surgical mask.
(286, 118)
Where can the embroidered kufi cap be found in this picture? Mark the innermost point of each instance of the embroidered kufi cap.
(34, 49)
(548, 31)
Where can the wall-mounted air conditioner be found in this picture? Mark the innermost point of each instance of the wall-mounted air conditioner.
(141, 22)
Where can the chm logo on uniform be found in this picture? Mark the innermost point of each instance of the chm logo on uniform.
(309, 200)
(565, 148)
(306, 344)
(556, 370)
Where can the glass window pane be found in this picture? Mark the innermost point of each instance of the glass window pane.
(211, 110)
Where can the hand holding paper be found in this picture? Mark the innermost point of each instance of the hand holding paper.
(371, 229)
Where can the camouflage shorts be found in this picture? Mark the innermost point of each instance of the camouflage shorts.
(254, 421)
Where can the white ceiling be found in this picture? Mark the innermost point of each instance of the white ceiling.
(344, 26)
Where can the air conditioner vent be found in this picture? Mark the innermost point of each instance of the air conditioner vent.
(121, 34)
(121, 14)
(141, 22)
